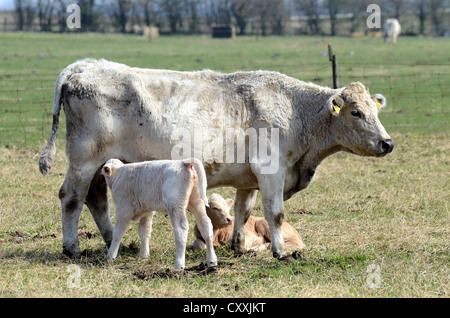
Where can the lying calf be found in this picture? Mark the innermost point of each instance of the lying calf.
(257, 234)
(169, 186)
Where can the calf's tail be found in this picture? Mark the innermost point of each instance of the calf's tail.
(49, 151)
(202, 183)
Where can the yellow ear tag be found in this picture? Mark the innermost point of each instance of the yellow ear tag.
(378, 104)
(337, 109)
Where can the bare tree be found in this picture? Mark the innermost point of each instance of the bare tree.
(88, 17)
(333, 7)
(434, 7)
(420, 8)
(19, 8)
(311, 10)
(279, 16)
(45, 11)
(146, 6)
(173, 11)
(242, 11)
(192, 15)
(358, 11)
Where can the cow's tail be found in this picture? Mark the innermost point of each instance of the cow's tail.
(202, 183)
(49, 151)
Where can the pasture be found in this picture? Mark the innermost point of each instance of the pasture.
(372, 227)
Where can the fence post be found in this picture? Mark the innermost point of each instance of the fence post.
(334, 66)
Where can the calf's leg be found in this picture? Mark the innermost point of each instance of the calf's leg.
(145, 231)
(180, 229)
(197, 207)
(123, 221)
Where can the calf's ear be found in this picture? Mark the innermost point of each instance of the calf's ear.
(107, 170)
(379, 100)
(229, 202)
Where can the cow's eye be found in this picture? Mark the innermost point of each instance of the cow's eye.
(356, 113)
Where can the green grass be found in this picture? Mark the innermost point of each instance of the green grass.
(359, 212)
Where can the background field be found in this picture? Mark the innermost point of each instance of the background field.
(359, 214)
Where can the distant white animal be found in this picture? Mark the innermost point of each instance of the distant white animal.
(170, 186)
(391, 31)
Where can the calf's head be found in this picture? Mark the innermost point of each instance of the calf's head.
(109, 169)
(355, 124)
(218, 211)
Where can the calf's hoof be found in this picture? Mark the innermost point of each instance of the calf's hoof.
(212, 264)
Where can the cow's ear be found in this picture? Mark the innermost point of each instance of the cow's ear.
(379, 100)
(229, 202)
(335, 105)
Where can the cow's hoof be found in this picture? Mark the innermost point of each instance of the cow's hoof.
(238, 249)
(72, 253)
(285, 258)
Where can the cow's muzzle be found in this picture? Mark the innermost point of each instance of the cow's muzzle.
(385, 146)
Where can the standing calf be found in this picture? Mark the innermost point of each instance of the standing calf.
(257, 233)
(168, 186)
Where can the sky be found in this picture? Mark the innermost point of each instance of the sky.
(6, 4)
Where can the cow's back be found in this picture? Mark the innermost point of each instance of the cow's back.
(113, 110)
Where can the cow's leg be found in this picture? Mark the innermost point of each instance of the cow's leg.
(145, 231)
(271, 187)
(72, 195)
(197, 207)
(244, 202)
(97, 202)
(123, 221)
(180, 225)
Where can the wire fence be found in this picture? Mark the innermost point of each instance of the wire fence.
(417, 95)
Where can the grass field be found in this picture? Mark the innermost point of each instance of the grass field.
(373, 227)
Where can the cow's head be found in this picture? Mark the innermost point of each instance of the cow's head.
(355, 124)
(109, 169)
(218, 211)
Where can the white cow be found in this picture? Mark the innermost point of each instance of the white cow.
(169, 186)
(391, 30)
(115, 111)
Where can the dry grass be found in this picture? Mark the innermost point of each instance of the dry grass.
(390, 212)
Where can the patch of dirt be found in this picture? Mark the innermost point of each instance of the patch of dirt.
(39, 237)
(86, 235)
(16, 234)
(197, 270)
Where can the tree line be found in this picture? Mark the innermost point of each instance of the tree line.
(262, 17)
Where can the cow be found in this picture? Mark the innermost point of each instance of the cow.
(391, 31)
(257, 233)
(133, 114)
(168, 186)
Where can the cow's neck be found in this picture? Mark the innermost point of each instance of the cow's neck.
(316, 144)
